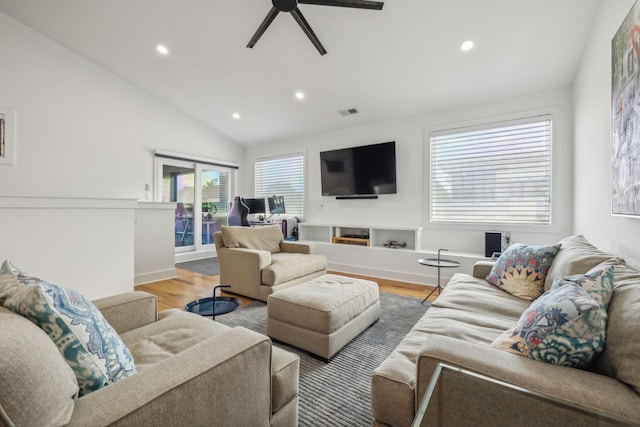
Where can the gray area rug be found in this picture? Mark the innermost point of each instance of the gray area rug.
(208, 266)
(338, 393)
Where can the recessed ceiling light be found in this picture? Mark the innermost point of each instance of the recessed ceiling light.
(235, 116)
(162, 49)
(299, 95)
(467, 45)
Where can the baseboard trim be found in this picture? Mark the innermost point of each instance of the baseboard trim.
(194, 256)
(141, 279)
(419, 279)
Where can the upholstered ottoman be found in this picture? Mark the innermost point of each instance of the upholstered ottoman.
(323, 314)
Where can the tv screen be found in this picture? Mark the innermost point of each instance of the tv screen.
(256, 206)
(359, 171)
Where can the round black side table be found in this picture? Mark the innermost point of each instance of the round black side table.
(211, 306)
(438, 263)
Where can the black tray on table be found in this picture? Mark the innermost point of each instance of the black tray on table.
(212, 306)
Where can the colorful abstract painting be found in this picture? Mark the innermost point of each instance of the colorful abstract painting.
(625, 116)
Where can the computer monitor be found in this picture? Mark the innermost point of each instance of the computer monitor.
(256, 206)
(276, 205)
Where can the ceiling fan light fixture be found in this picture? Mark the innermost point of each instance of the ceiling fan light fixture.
(291, 7)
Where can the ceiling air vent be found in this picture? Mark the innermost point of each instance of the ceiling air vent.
(348, 112)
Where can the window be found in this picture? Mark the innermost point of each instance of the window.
(493, 174)
(282, 176)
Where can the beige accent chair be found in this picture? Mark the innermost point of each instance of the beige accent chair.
(256, 261)
(191, 371)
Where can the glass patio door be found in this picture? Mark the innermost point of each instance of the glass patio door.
(214, 189)
(202, 195)
(178, 186)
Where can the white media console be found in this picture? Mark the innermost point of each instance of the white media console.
(376, 237)
(349, 250)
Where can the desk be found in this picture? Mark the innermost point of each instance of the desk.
(438, 263)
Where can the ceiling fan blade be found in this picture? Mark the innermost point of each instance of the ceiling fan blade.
(307, 30)
(263, 27)
(359, 4)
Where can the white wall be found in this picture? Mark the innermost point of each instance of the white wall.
(409, 207)
(83, 133)
(592, 176)
(82, 244)
(154, 242)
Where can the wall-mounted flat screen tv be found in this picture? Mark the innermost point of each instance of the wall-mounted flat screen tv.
(359, 171)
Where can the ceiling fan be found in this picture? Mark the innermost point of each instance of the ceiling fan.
(291, 6)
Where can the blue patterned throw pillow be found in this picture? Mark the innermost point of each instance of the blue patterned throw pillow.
(521, 270)
(9, 285)
(563, 327)
(598, 282)
(91, 347)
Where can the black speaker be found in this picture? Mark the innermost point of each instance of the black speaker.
(492, 243)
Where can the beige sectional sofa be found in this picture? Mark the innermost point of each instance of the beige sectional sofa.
(470, 314)
(190, 371)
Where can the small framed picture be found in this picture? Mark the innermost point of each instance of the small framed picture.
(7, 136)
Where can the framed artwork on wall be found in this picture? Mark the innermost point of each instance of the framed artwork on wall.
(625, 116)
(7, 136)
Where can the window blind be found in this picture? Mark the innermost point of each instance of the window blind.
(284, 176)
(499, 173)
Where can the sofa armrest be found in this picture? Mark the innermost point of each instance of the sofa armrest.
(481, 269)
(297, 247)
(223, 380)
(129, 310)
(242, 269)
(594, 392)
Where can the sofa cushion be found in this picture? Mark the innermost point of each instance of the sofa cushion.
(576, 256)
(562, 327)
(174, 332)
(521, 270)
(37, 386)
(92, 348)
(266, 238)
(285, 370)
(287, 266)
(621, 356)
(475, 295)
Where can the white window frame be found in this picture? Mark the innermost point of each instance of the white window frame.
(287, 200)
(552, 113)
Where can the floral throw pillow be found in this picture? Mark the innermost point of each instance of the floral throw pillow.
(562, 327)
(521, 270)
(91, 347)
(598, 282)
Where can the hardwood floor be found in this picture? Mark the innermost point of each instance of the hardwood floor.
(190, 286)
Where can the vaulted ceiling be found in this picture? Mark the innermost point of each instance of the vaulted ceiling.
(402, 60)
